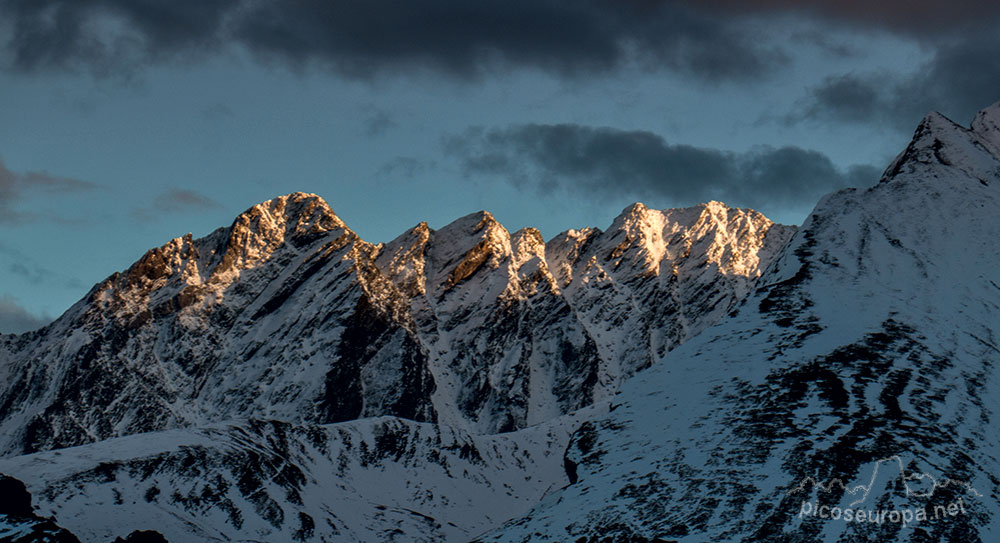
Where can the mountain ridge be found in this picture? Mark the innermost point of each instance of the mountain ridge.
(289, 314)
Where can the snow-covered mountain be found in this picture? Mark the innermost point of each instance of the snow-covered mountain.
(284, 380)
(289, 315)
(377, 479)
(874, 335)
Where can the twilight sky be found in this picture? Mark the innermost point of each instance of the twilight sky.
(125, 123)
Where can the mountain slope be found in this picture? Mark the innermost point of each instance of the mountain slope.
(18, 521)
(874, 335)
(287, 314)
(381, 479)
(240, 323)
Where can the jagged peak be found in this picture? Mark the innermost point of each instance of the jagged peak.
(939, 141)
(986, 125)
(418, 234)
(297, 218)
(528, 247)
(528, 234)
(721, 213)
(936, 120)
(576, 235)
(299, 212)
(526, 244)
(471, 224)
(633, 214)
(176, 256)
(636, 209)
(564, 250)
(934, 125)
(712, 210)
(648, 239)
(479, 228)
(640, 221)
(465, 245)
(402, 259)
(713, 205)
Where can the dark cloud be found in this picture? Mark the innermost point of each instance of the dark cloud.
(362, 39)
(851, 98)
(837, 46)
(52, 183)
(110, 36)
(35, 275)
(23, 266)
(605, 162)
(183, 200)
(15, 319)
(378, 122)
(175, 201)
(465, 38)
(38, 275)
(14, 186)
(962, 77)
(217, 112)
(708, 40)
(917, 18)
(405, 166)
(12, 183)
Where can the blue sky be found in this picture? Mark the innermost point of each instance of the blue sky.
(124, 125)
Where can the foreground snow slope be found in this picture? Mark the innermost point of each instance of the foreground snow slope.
(382, 479)
(875, 334)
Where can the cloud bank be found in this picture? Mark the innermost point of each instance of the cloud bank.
(362, 39)
(15, 319)
(961, 78)
(709, 41)
(14, 186)
(601, 162)
(175, 200)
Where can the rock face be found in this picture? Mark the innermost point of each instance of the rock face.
(519, 331)
(283, 315)
(142, 536)
(287, 314)
(871, 342)
(18, 521)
